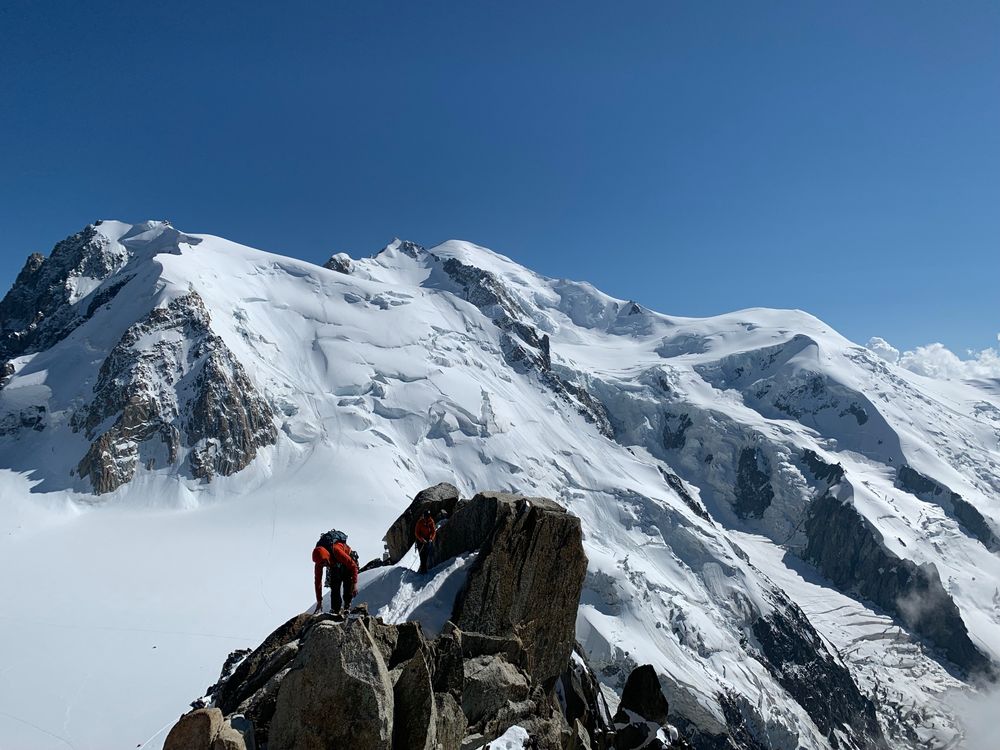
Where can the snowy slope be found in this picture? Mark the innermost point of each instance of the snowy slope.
(680, 443)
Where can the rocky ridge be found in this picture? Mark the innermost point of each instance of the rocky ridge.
(172, 391)
(322, 679)
(54, 295)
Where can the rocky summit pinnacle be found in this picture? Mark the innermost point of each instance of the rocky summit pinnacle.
(323, 680)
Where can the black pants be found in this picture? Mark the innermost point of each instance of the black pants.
(338, 578)
(426, 551)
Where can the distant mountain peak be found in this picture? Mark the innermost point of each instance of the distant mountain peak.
(404, 247)
(721, 467)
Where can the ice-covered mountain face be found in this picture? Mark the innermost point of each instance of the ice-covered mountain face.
(799, 536)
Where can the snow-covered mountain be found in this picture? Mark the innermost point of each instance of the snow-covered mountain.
(802, 538)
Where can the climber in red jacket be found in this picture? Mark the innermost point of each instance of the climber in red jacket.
(425, 531)
(341, 573)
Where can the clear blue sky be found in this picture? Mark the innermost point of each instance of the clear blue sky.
(698, 157)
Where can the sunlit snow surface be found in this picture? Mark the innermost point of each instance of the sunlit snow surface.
(118, 612)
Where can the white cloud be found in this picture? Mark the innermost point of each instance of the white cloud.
(977, 714)
(938, 361)
(883, 349)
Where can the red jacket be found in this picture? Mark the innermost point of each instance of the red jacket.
(425, 530)
(342, 555)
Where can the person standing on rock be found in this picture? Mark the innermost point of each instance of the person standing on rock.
(331, 552)
(425, 531)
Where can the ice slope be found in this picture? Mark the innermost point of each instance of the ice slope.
(388, 379)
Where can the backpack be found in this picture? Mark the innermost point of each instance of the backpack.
(331, 537)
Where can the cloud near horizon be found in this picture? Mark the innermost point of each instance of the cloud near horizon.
(938, 361)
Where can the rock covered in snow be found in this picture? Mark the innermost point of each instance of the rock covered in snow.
(170, 391)
(52, 296)
(341, 263)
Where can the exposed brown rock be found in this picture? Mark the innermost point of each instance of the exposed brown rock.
(196, 730)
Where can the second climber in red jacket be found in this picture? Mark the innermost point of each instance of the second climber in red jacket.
(341, 573)
(425, 531)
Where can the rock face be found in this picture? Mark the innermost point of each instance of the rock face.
(171, 391)
(753, 485)
(968, 515)
(527, 579)
(820, 683)
(335, 661)
(319, 681)
(415, 720)
(491, 682)
(39, 309)
(913, 593)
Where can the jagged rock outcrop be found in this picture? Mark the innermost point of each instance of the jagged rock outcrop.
(641, 719)
(912, 592)
(399, 538)
(323, 681)
(585, 703)
(337, 693)
(819, 682)
(643, 695)
(39, 310)
(341, 263)
(526, 581)
(911, 480)
(172, 391)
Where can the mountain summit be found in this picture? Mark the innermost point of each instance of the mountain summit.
(799, 536)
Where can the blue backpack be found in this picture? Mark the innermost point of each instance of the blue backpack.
(331, 537)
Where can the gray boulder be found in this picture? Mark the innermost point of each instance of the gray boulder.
(399, 538)
(397, 643)
(414, 722)
(509, 646)
(451, 722)
(337, 694)
(491, 683)
(449, 673)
